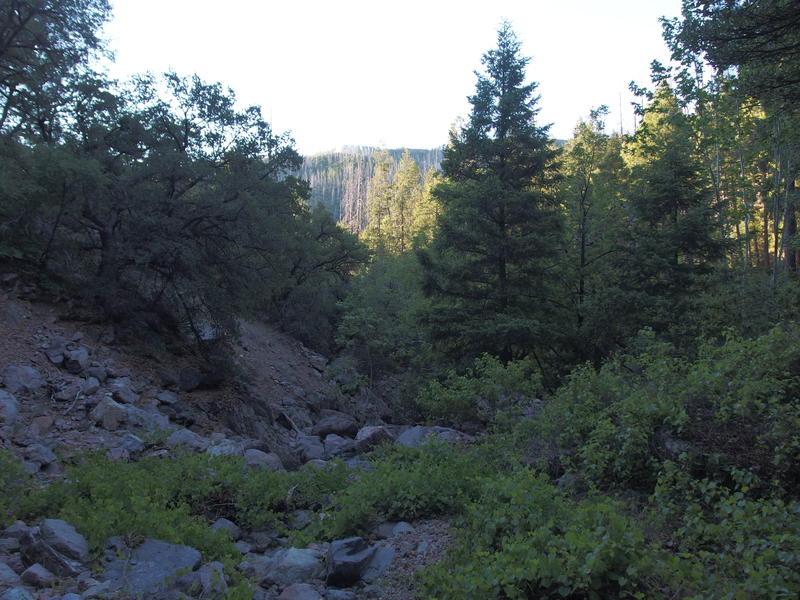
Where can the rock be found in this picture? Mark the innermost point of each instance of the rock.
(38, 453)
(336, 445)
(8, 410)
(70, 596)
(371, 436)
(56, 546)
(180, 413)
(145, 419)
(225, 447)
(8, 545)
(419, 435)
(109, 414)
(378, 564)
(189, 379)
(333, 421)
(300, 591)
(292, 565)
(97, 372)
(90, 386)
(167, 397)
(37, 576)
(262, 539)
(55, 351)
(8, 578)
(68, 392)
(256, 459)
(310, 447)
(149, 568)
(17, 593)
(21, 379)
(332, 594)
(118, 454)
(208, 582)
(17, 530)
(76, 360)
(389, 529)
(347, 560)
(124, 395)
(300, 519)
(187, 439)
(230, 527)
(132, 443)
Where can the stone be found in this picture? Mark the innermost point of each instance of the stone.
(145, 419)
(371, 436)
(67, 392)
(16, 530)
(90, 386)
(132, 443)
(70, 596)
(97, 372)
(208, 582)
(109, 414)
(8, 578)
(125, 395)
(9, 409)
(187, 439)
(8, 545)
(17, 593)
(389, 529)
(225, 448)
(56, 546)
(333, 421)
(147, 569)
(419, 435)
(167, 397)
(300, 591)
(336, 445)
(310, 447)
(378, 564)
(332, 594)
(230, 527)
(118, 454)
(21, 379)
(347, 560)
(38, 453)
(56, 350)
(292, 565)
(75, 361)
(37, 576)
(256, 459)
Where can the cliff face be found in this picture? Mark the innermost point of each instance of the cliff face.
(340, 180)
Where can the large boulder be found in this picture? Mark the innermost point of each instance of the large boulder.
(9, 409)
(257, 459)
(293, 565)
(333, 421)
(347, 560)
(8, 578)
(75, 361)
(56, 546)
(371, 436)
(109, 414)
(309, 447)
(20, 379)
(183, 438)
(148, 569)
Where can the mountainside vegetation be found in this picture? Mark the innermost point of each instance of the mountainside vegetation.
(614, 319)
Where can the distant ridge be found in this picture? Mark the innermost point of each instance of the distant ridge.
(340, 178)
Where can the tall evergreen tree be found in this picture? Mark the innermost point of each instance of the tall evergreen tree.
(489, 268)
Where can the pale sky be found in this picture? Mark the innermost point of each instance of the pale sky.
(393, 74)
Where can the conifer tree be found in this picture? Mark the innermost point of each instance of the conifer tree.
(489, 268)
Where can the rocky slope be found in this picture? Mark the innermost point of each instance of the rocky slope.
(67, 389)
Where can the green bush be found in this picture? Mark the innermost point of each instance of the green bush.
(522, 539)
(14, 482)
(478, 395)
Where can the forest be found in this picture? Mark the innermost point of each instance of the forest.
(613, 318)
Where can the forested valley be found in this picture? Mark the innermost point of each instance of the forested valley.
(607, 326)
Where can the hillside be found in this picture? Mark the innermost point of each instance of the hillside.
(340, 179)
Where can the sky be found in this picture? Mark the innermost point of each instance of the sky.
(396, 74)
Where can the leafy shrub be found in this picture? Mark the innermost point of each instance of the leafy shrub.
(487, 387)
(522, 539)
(14, 482)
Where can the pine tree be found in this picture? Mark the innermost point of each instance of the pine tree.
(405, 194)
(489, 268)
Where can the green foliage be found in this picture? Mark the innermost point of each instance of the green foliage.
(484, 389)
(522, 539)
(14, 484)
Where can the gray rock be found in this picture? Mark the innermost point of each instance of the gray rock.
(8, 578)
(225, 447)
(389, 529)
(125, 395)
(332, 594)
(378, 564)
(336, 445)
(145, 419)
(118, 454)
(300, 591)
(256, 459)
(37, 576)
(68, 392)
(8, 410)
(17, 593)
(16, 530)
(56, 546)
(208, 582)
(347, 560)
(310, 447)
(38, 453)
(373, 435)
(132, 443)
(8, 545)
(21, 379)
(149, 568)
(167, 397)
(90, 386)
(70, 596)
(230, 527)
(109, 414)
(76, 360)
(56, 350)
(98, 373)
(419, 435)
(333, 421)
(292, 565)
(187, 439)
